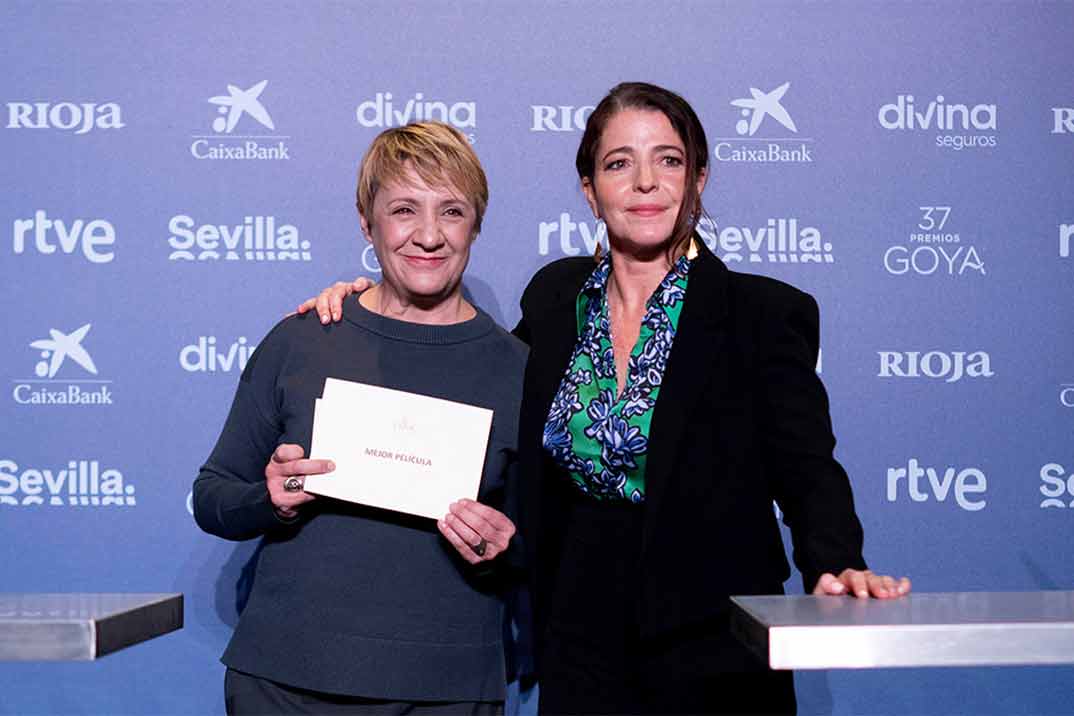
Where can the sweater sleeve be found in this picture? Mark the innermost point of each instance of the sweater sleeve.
(231, 499)
(812, 488)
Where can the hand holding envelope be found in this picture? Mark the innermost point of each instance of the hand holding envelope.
(409, 453)
(397, 450)
(286, 462)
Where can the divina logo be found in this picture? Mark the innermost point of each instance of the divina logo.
(952, 122)
(765, 149)
(93, 238)
(1056, 486)
(56, 351)
(783, 240)
(81, 483)
(938, 484)
(386, 111)
(932, 248)
(949, 367)
(231, 109)
(78, 118)
(559, 118)
(257, 238)
(1062, 120)
(206, 356)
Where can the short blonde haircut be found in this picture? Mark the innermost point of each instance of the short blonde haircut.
(437, 152)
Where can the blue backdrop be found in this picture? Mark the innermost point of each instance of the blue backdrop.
(908, 164)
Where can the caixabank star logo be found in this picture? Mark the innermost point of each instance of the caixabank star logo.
(64, 373)
(239, 129)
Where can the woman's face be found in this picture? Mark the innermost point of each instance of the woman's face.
(422, 238)
(639, 179)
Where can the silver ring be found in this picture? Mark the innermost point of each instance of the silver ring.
(480, 547)
(292, 484)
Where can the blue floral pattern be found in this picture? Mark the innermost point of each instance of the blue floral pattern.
(600, 439)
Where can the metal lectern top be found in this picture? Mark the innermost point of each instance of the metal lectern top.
(954, 629)
(56, 627)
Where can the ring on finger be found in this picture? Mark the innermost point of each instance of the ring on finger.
(292, 484)
(480, 547)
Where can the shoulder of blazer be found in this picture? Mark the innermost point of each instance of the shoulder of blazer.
(555, 283)
(755, 294)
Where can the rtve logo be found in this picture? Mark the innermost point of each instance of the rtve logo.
(937, 485)
(1056, 486)
(81, 118)
(559, 118)
(82, 483)
(950, 367)
(46, 235)
(1063, 118)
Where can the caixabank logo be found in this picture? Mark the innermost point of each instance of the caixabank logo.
(243, 129)
(64, 372)
(73, 117)
(254, 238)
(79, 483)
(765, 132)
(952, 125)
(935, 246)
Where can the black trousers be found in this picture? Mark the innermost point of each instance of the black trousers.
(248, 695)
(593, 659)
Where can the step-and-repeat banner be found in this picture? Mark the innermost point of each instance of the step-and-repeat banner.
(177, 176)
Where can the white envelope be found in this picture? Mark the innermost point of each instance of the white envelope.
(397, 450)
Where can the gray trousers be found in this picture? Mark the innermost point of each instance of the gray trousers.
(248, 695)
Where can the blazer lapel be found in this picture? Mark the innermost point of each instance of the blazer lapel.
(697, 358)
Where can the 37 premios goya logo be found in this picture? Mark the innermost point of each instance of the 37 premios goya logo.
(765, 132)
(243, 129)
(64, 373)
(934, 248)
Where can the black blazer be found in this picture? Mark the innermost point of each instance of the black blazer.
(741, 420)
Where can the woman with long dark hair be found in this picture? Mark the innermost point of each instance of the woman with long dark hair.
(668, 402)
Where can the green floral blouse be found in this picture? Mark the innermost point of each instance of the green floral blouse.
(601, 439)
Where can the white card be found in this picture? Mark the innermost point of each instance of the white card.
(397, 450)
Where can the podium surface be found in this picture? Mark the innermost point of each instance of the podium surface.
(65, 627)
(938, 629)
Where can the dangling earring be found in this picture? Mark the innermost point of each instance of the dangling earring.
(598, 251)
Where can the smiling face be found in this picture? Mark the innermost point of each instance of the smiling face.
(639, 179)
(422, 236)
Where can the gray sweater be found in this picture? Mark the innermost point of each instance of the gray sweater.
(350, 599)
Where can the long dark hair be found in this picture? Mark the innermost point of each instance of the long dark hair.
(641, 95)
